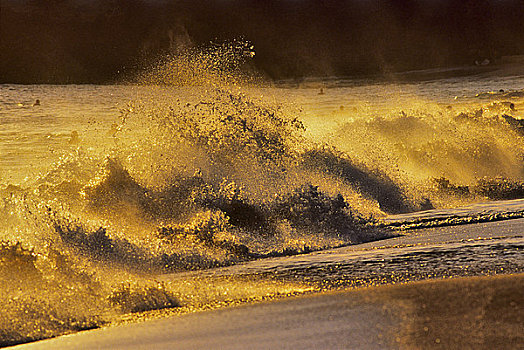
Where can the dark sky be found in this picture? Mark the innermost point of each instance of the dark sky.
(76, 41)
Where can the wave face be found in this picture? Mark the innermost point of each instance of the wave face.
(200, 171)
(464, 153)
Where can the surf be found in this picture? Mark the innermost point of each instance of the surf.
(206, 168)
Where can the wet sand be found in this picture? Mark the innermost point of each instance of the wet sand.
(459, 313)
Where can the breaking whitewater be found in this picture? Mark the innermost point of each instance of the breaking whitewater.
(197, 166)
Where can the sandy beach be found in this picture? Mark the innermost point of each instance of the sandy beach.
(460, 313)
(423, 301)
(252, 233)
(261, 174)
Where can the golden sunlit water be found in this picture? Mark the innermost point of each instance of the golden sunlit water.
(112, 195)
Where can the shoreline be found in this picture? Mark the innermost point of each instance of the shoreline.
(425, 255)
(481, 312)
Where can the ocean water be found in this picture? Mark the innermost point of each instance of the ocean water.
(199, 186)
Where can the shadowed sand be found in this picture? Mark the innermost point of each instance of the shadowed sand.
(460, 313)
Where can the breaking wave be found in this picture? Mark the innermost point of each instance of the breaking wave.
(217, 178)
(205, 173)
(448, 154)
